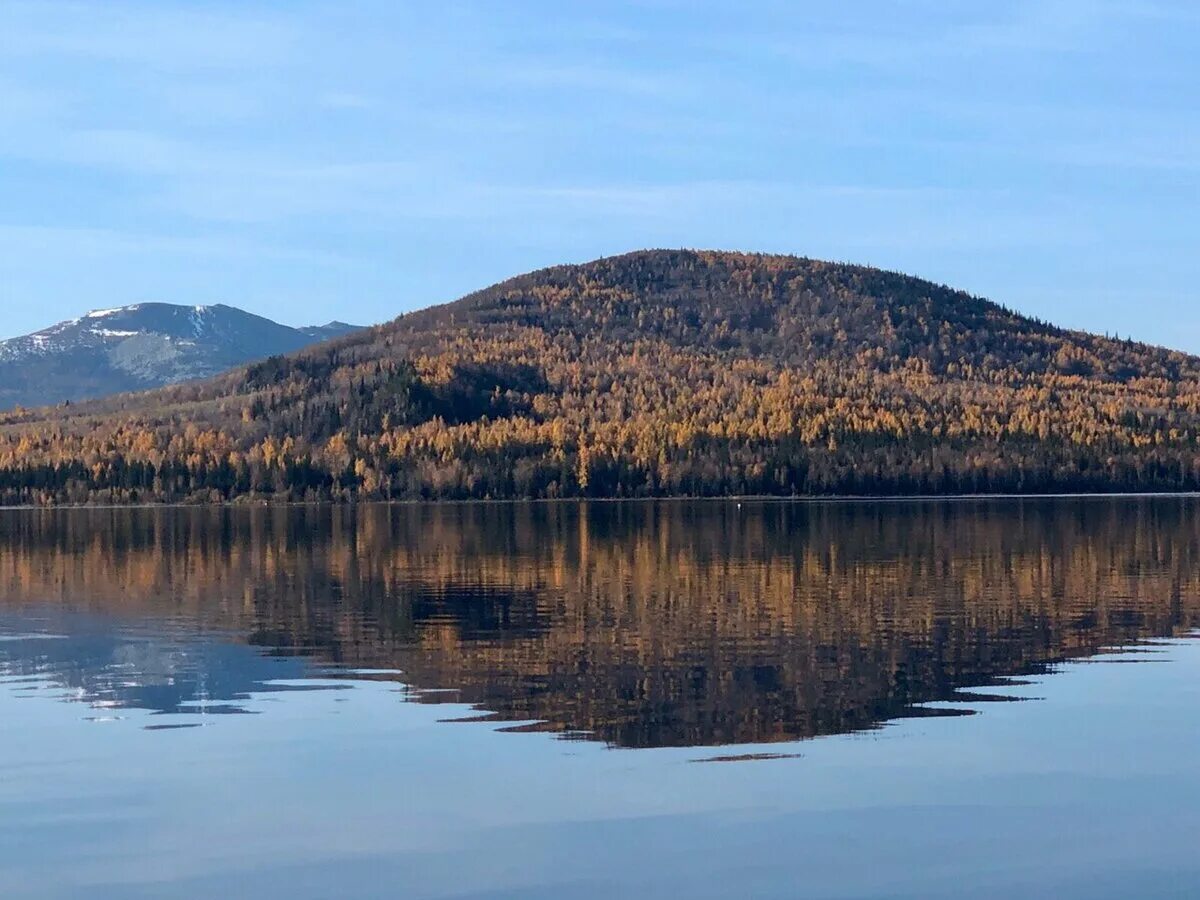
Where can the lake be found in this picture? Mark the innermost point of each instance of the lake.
(679, 699)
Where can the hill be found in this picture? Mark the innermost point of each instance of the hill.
(653, 373)
(132, 348)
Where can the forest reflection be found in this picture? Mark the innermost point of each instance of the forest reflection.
(637, 624)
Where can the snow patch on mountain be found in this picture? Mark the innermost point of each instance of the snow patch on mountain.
(141, 346)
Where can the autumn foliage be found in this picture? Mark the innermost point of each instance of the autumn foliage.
(654, 373)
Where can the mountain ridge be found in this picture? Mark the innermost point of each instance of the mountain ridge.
(667, 372)
(138, 347)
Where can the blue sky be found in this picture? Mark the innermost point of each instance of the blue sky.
(355, 159)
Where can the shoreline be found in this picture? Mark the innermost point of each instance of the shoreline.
(739, 499)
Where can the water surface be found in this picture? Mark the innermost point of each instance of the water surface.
(559, 700)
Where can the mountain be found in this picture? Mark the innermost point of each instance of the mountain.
(328, 332)
(653, 373)
(133, 348)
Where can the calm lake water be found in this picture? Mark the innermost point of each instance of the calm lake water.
(901, 700)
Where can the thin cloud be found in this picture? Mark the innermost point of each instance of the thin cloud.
(25, 241)
(344, 100)
(159, 35)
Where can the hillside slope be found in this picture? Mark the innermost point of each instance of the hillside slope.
(131, 348)
(658, 372)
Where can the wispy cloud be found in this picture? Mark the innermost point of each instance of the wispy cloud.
(592, 78)
(416, 147)
(344, 100)
(33, 241)
(167, 37)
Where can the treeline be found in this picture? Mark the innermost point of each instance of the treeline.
(658, 373)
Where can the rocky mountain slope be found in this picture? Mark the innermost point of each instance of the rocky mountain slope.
(133, 348)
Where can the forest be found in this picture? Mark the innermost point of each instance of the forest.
(656, 373)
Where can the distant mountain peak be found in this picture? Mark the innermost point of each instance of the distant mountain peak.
(139, 346)
(330, 330)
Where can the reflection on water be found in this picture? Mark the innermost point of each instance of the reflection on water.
(109, 668)
(640, 625)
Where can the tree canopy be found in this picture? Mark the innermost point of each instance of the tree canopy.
(653, 373)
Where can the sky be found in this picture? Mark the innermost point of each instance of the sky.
(355, 159)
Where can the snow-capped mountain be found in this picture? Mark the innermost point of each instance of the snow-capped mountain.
(130, 348)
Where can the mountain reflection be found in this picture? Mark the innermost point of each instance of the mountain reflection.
(160, 672)
(641, 625)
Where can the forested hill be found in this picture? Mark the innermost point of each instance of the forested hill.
(653, 373)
